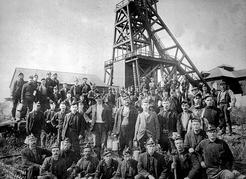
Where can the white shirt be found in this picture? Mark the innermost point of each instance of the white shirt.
(99, 114)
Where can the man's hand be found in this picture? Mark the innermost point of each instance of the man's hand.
(135, 143)
(203, 164)
(191, 150)
(173, 166)
(236, 173)
(151, 177)
(80, 137)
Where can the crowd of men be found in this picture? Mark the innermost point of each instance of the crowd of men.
(175, 131)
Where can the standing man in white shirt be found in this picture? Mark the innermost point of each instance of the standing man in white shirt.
(100, 123)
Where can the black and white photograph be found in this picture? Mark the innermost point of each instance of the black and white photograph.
(123, 89)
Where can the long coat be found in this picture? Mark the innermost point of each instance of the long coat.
(133, 114)
(106, 116)
(16, 91)
(160, 166)
(35, 123)
(77, 120)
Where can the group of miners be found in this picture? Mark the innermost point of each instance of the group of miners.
(162, 130)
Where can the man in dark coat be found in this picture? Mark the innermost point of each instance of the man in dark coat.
(49, 84)
(54, 167)
(107, 167)
(68, 154)
(16, 92)
(76, 90)
(74, 128)
(47, 136)
(124, 125)
(194, 136)
(186, 166)
(32, 157)
(27, 97)
(64, 91)
(87, 165)
(151, 164)
(42, 95)
(168, 125)
(216, 156)
(58, 120)
(35, 122)
(55, 81)
(101, 123)
(127, 169)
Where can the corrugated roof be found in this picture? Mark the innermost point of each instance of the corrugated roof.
(63, 77)
(220, 71)
(217, 72)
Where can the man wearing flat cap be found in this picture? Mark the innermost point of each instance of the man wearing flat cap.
(216, 156)
(27, 97)
(127, 169)
(124, 124)
(16, 92)
(107, 167)
(54, 167)
(100, 122)
(151, 164)
(32, 157)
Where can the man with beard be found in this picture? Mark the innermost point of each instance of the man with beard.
(217, 156)
(74, 128)
(127, 169)
(16, 93)
(186, 165)
(54, 167)
(32, 157)
(125, 120)
(151, 164)
(107, 167)
(87, 165)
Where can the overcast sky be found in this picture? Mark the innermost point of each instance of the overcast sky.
(77, 35)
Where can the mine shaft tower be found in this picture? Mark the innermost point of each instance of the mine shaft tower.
(138, 50)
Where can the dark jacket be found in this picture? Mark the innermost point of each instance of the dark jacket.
(69, 157)
(27, 91)
(87, 167)
(63, 93)
(192, 140)
(29, 158)
(188, 166)
(127, 169)
(17, 88)
(57, 168)
(133, 114)
(168, 120)
(106, 116)
(106, 172)
(160, 168)
(35, 123)
(77, 121)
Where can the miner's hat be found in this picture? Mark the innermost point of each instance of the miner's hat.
(211, 128)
